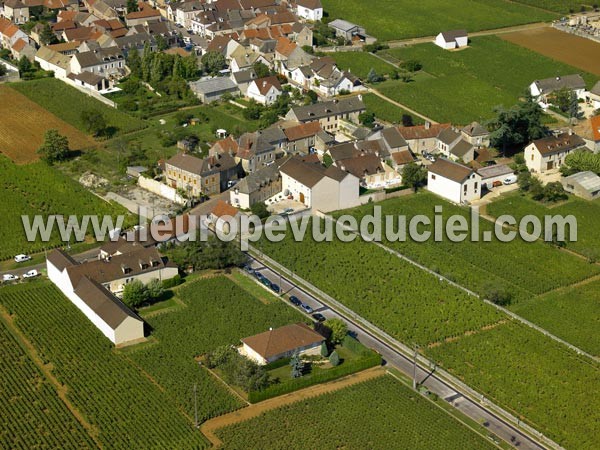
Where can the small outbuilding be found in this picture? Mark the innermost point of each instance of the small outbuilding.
(492, 175)
(583, 184)
(449, 40)
(213, 89)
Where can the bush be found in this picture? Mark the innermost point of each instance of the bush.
(172, 282)
(412, 65)
(334, 359)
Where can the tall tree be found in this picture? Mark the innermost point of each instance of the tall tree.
(414, 175)
(134, 294)
(47, 36)
(55, 147)
(297, 365)
(338, 328)
(134, 62)
(132, 6)
(94, 121)
(212, 62)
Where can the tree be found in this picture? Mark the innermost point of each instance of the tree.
(297, 365)
(260, 209)
(412, 65)
(327, 160)
(310, 98)
(55, 147)
(581, 161)
(94, 121)
(554, 191)
(161, 43)
(498, 295)
(210, 254)
(47, 36)
(338, 328)
(261, 69)
(132, 6)
(414, 175)
(134, 294)
(155, 289)
(2, 71)
(334, 359)
(374, 77)
(407, 120)
(524, 181)
(253, 111)
(212, 62)
(324, 350)
(562, 98)
(574, 109)
(367, 119)
(24, 65)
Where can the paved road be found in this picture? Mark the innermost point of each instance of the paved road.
(396, 359)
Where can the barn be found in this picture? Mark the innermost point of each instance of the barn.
(449, 40)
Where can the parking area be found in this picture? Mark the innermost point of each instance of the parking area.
(280, 204)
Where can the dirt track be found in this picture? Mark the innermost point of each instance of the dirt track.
(210, 427)
(568, 48)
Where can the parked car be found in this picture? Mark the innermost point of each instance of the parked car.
(31, 274)
(266, 282)
(511, 179)
(431, 158)
(9, 277)
(249, 269)
(288, 211)
(295, 300)
(306, 308)
(22, 258)
(319, 317)
(275, 288)
(258, 275)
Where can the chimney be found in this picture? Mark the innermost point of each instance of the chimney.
(570, 131)
(427, 124)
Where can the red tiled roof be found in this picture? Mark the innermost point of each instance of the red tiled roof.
(224, 209)
(302, 131)
(595, 122)
(19, 45)
(422, 132)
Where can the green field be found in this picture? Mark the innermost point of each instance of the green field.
(468, 84)
(560, 6)
(586, 212)
(552, 388)
(40, 189)
(524, 269)
(387, 111)
(216, 312)
(401, 19)
(406, 301)
(123, 405)
(360, 63)
(378, 414)
(33, 416)
(68, 103)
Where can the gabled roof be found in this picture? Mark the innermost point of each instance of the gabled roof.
(306, 174)
(361, 166)
(475, 129)
(393, 137)
(423, 131)
(557, 144)
(265, 84)
(255, 180)
(595, 124)
(145, 11)
(403, 157)
(60, 259)
(19, 45)
(461, 148)
(310, 4)
(495, 171)
(553, 84)
(450, 170)
(452, 35)
(587, 180)
(302, 131)
(342, 25)
(224, 209)
(448, 136)
(325, 109)
(218, 84)
(283, 340)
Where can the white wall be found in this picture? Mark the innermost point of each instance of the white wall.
(161, 189)
(310, 14)
(444, 187)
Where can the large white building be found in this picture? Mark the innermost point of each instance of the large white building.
(550, 152)
(454, 182)
(309, 9)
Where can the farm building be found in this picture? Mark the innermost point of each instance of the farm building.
(454, 182)
(583, 184)
(449, 40)
(213, 89)
(115, 320)
(283, 342)
(494, 174)
(549, 153)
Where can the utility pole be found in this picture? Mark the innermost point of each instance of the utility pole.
(415, 367)
(195, 407)
(280, 285)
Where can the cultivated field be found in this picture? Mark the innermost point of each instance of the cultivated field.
(379, 413)
(466, 85)
(68, 103)
(360, 63)
(387, 111)
(123, 406)
(401, 19)
(540, 380)
(24, 123)
(213, 312)
(560, 6)
(33, 416)
(38, 189)
(568, 48)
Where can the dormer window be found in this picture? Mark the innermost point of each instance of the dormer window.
(126, 269)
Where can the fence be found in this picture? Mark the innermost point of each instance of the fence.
(452, 381)
(379, 196)
(161, 189)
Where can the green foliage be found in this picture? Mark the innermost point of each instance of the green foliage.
(261, 69)
(210, 254)
(338, 329)
(47, 36)
(414, 176)
(498, 295)
(24, 66)
(155, 289)
(387, 111)
(47, 424)
(297, 366)
(237, 369)
(94, 121)
(327, 160)
(260, 209)
(324, 350)
(367, 119)
(134, 294)
(132, 6)
(212, 62)
(374, 77)
(581, 161)
(55, 147)
(359, 63)
(412, 65)
(116, 398)
(334, 359)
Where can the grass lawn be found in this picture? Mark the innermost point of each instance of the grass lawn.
(401, 19)
(466, 85)
(68, 103)
(379, 413)
(35, 189)
(387, 111)
(360, 63)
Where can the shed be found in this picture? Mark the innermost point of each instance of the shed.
(583, 184)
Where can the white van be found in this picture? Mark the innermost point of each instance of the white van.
(511, 179)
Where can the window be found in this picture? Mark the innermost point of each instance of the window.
(532, 156)
(432, 176)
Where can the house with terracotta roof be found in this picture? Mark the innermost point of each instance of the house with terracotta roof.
(10, 33)
(283, 342)
(422, 138)
(549, 153)
(265, 90)
(453, 181)
(143, 15)
(222, 216)
(22, 48)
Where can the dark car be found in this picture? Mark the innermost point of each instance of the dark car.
(306, 308)
(295, 300)
(275, 288)
(319, 317)
(258, 275)
(266, 282)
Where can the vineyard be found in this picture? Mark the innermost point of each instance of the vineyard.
(406, 301)
(553, 388)
(20, 131)
(217, 312)
(127, 409)
(32, 414)
(380, 413)
(39, 189)
(523, 269)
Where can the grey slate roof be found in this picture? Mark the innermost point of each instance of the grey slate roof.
(219, 84)
(461, 149)
(450, 170)
(343, 25)
(452, 35)
(448, 136)
(326, 109)
(568, 81)
(495, 171)
(475, 129)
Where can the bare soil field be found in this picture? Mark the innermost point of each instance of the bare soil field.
(23, 124)
(568, 48)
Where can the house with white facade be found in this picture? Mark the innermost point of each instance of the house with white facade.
(115, 320)
(550, 152)
(543, 90)
(309, 9)
(453, 181)
(450, 40)
(264, 90)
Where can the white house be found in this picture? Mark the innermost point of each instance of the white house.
(264, 90)
(283, 342)
(549, 153)
(454, 182)
(53, 61)
(449, 40)
(317, 187)
(542, 90)
(309, 9)
(115, 320)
